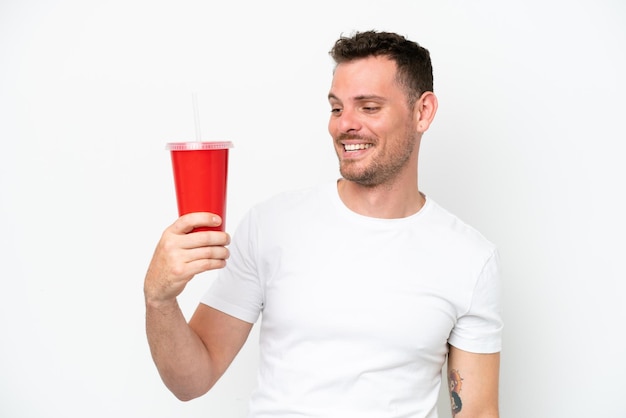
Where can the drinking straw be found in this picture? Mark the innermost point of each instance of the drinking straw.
(196, 115)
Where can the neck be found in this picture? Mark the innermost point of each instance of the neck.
(387, 201)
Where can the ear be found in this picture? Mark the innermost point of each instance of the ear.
(425, 110)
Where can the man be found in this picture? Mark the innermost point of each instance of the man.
(365, 285)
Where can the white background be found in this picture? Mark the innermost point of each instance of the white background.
(527, 147)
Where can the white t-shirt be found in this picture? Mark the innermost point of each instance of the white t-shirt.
(357, 311)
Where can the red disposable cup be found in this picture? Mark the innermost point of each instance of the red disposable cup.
(200, 178)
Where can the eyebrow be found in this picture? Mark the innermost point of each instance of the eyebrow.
(360, 97)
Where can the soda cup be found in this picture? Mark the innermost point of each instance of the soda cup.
(200, 178)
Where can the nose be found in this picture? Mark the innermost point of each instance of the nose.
(346, 121)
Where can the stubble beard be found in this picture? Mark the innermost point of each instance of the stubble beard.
(383, 169)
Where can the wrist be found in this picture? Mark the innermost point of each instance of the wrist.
(163, 306)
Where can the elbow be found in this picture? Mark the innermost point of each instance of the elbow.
(186, 397)
(186, 394)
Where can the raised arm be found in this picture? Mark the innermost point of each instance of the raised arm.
(190, 357)
(473, 384)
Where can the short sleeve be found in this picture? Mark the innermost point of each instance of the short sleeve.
(237, 290)
(479, 330)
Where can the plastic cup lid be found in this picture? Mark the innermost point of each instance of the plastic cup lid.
(196, 145)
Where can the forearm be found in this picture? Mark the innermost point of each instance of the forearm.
(179, 354)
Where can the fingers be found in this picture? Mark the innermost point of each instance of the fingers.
(187, 223)
(176, 250)
(204, 239)
(205, 264)
(180, 255)
(217, 253)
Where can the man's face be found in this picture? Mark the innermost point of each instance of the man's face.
(371, 123)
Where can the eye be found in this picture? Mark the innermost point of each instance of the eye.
(371, 109)
(335, 111)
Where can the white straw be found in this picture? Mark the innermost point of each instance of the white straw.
(196, 116)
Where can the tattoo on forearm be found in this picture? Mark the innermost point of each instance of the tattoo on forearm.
(455, 382)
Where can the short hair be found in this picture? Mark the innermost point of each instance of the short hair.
(415, 71)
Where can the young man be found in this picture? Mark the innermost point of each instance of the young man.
(365, 285)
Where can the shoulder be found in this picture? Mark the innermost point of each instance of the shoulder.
(299, 202)
(455, 232)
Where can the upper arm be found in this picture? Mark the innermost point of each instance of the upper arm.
(473, 383)
(223, 336)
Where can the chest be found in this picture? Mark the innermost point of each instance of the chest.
(390, 288)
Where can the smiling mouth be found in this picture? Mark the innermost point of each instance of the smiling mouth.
(356, 147)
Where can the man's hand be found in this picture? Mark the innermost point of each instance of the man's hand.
(181, 254)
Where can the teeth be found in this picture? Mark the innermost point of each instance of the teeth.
(354, 147)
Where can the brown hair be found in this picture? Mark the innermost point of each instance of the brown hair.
(415, 71)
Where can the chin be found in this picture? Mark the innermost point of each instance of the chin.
(363, 179)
